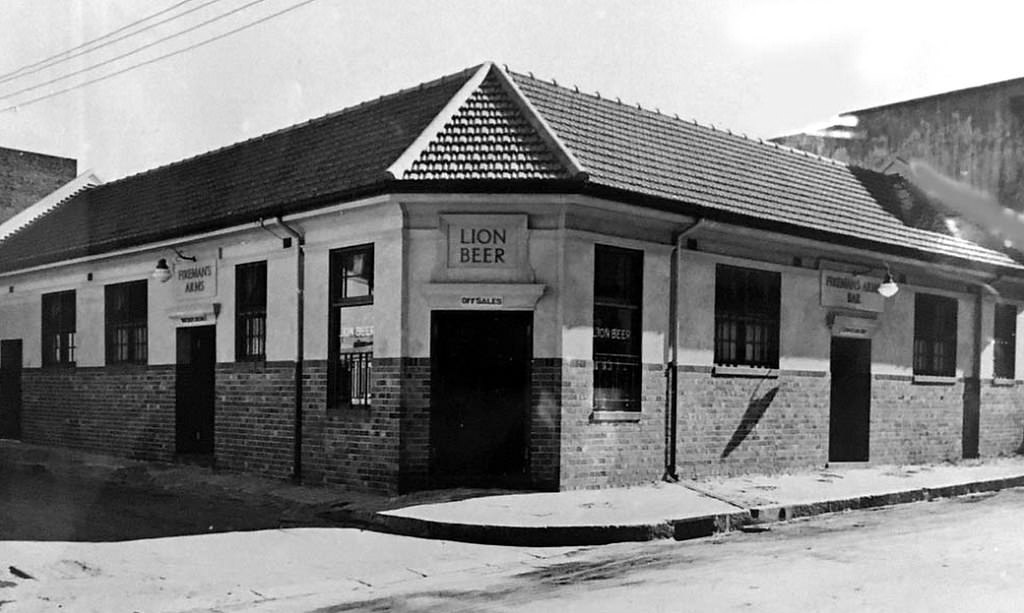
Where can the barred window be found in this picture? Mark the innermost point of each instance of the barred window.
(618, 295)
(934, 335)
(1005, 341)
(59, 328)
(746, 317)
(126, 322)
(350, 342)
(251, 311)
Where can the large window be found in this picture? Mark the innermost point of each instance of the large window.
(618, 295)
(126, 317)
(251, 311)
(746, 317)
(350, 326)
(1005, 341)
(934, 335)
(59, 328)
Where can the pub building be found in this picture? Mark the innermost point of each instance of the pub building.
(491, 279)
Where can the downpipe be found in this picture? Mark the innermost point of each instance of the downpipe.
(300, 307)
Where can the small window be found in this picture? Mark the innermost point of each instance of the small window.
(1005, 341)
(126, 323)
(59, 328)
(618, 295)
(934, 335)
(350, 342)
(251, 311)
(746, 317)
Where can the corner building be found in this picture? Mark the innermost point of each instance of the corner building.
(494, 280)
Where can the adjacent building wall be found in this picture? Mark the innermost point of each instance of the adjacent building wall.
(26, 177)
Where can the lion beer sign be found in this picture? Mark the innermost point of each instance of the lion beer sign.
(849, 291)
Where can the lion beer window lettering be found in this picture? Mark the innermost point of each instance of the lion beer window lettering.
(618, 293)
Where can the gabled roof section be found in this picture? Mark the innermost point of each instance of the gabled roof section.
(57, 197)
(645, 152)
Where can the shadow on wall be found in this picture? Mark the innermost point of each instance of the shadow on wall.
(756, 409)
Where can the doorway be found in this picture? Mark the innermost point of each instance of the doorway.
(194, 390)
(10, 389)
(480, 397)
(850, 400)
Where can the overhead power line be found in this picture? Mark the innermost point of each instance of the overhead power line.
(157, 59)
(132, 52)
(59, 57)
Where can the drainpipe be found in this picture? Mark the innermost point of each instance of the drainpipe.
(672, 371)
(300, 285)
(972, 395)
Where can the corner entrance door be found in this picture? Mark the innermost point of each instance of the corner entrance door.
(850, 403)
(194, 390)
(10, 389)
(480, 397)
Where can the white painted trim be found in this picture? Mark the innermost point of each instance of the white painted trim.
(405, 161)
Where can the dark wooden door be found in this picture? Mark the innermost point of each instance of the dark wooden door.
(194, 390)
(10, 389)
(480, 397)
(850, 402)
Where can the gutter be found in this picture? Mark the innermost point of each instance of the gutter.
(672, 369)
(300, 306)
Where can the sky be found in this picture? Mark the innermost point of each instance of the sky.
(759, 67)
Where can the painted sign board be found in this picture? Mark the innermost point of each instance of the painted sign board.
(853, 327)
(486, 241)
(850, 291)
(195, 280)
(476, 302)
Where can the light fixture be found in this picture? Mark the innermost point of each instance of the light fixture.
(161, 272)
(888, 288)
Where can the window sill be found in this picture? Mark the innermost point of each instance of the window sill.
(745, 371)
(1003, 382)
(933, 380)
(599, 416)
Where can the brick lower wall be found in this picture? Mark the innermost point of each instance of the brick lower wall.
(255, 417)
(915, 423)
(1002, 419)
(545, 423)
(607, 454)
(127, 411)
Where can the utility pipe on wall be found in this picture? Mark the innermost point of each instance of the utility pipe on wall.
(671, 373)
(300, 306)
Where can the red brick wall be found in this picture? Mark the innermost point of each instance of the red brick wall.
(1002, 419)
(915, 423)
(414, 454)
(255, 417)
(26, 177)
(607, 454)
(546, 389)
(126, 411)
(736, 425)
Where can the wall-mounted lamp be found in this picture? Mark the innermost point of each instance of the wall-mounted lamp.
(888, 288)
(162, 272)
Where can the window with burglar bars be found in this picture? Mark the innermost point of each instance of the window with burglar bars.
(59, 328)
(618, 296)
(126, 322)
(251, 311)
(746, 317)
(934, 335)
(351, 331)
(1005, 341)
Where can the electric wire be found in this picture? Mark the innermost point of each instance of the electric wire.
(7, 76)
(132, 52)
(20, 105)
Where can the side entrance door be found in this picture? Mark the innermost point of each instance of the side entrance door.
(850, 402)
(194, 390)
(480, 397)
(10, 389)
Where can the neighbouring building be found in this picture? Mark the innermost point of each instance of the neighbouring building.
(26, 177)
(490, 279)
(974, 135)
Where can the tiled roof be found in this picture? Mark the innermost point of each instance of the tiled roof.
(488, 138)
(637, 150)
(273, 174)
(484, 124)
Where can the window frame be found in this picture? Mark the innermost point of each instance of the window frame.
(618, 375)
(133, 319)
(62, 328)
(251, 312)
(347, 388)
(1004, 341)
(736, 350)
(934, 352)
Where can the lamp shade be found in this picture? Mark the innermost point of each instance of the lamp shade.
(888, 288)
(161, 272)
